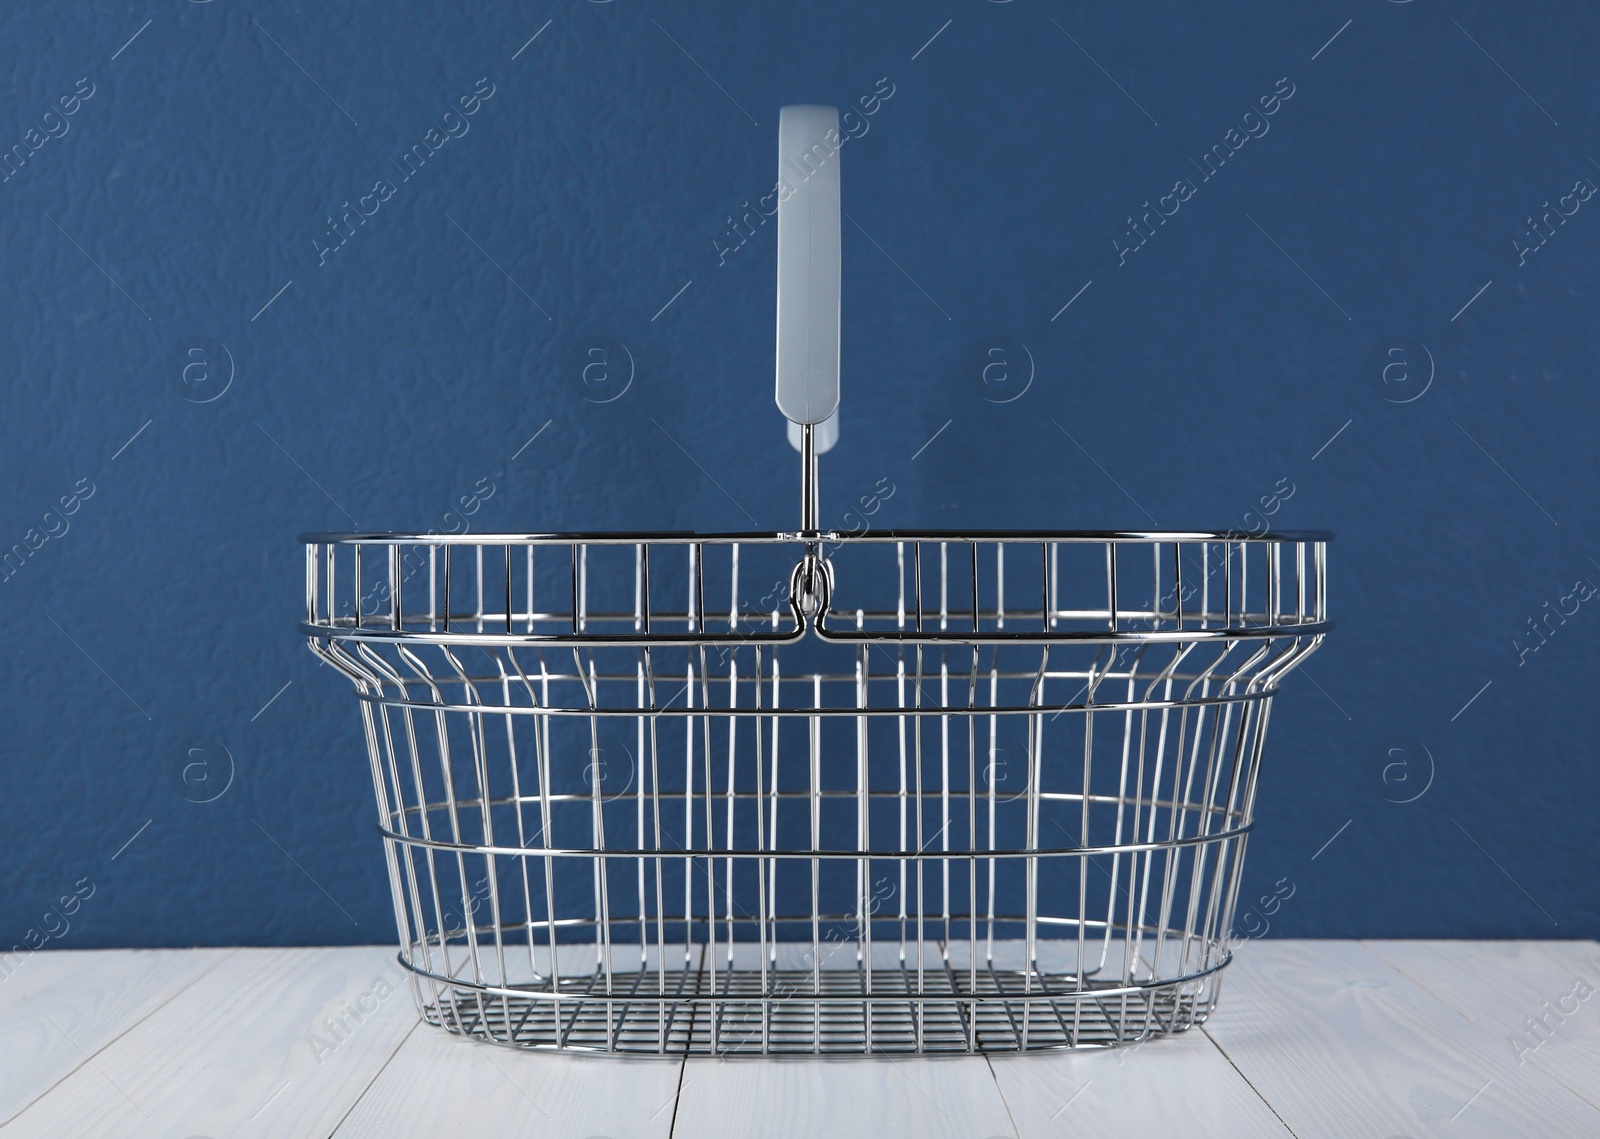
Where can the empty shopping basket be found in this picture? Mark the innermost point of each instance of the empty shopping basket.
(810, 791)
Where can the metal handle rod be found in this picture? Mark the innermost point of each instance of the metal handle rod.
(809, 508)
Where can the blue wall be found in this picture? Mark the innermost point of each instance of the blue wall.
(1238, 351)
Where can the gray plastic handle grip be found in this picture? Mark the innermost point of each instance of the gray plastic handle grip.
(808, 263)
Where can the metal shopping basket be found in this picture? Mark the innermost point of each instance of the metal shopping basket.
(811, 791)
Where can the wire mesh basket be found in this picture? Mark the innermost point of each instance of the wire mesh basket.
(815, 792)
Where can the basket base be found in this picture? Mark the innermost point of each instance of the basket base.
(742, 1011)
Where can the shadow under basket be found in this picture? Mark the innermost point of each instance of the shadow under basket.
(815, 793)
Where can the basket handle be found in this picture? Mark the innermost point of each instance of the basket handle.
(808, 268)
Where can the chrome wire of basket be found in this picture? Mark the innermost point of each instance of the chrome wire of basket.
(815, 792)
(994, 795)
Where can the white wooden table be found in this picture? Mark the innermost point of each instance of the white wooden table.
(1370, 1039)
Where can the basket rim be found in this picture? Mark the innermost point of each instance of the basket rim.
(460, 637)
(786, 537)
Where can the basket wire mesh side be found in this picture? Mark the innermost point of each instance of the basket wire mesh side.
(905, 792)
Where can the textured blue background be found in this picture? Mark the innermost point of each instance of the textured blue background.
(377, 388)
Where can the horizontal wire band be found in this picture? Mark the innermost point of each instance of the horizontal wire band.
(602, 853)
(831, 537)
(1095, 929)
(750, 795)
(1134, 989)
(709, 640)
(716, 712)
